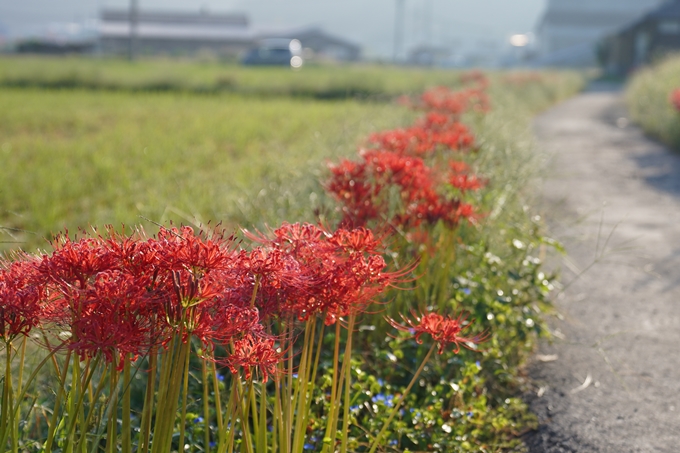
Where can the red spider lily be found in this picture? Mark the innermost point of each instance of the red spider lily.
(455, 103)
(115, 318)
(460, 178)
(422, 140)
(338, 273)
(73, 264)
(135, 255)
(182, 249)
(257, 352)
(675, 99)
(21, 297)
(364, 193)
(192, 270)
(443, 329)
(351, 185)
(227, 321)
(474, 77)
(397, 188)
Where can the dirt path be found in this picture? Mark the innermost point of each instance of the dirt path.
(612, 196)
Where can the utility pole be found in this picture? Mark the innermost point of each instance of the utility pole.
(398, 30)
(133, 29)
(428, 19)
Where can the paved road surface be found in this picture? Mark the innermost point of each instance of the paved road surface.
(613, 198)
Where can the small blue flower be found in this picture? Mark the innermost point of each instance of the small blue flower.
(213, 444)
(295, 375)
(381, 382)
(220, 377)
(467, 291)
(354, 408)
(393, 442)
(198, 420)
(470, 414)
(308, 447)
(479, 365)
(387, 400)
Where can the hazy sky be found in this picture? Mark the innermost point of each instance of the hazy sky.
(370, 23)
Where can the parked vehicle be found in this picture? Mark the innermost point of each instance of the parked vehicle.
(275, 52)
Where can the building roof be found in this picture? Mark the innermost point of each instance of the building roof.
(176, 18)
(188, 32)
(669, 10)
(174, 25)
(585, 18)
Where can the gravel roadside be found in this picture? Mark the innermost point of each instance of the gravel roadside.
(610, 381)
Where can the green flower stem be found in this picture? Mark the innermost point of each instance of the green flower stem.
(22, 392)
(20, 380)
(346, 363)
(127, 429)
(330, 421)
(206, 405)
(185, 391)
(278, 422)
(5, 416)
(301, 390)
(378, 438)
(82, 442)
(218, 409)
(162, 397)
(57, 403)
(111, 432)
(89, 372)
(242, 406)
(73, 397)
(147, 410)
(348, 383)
(262, 429)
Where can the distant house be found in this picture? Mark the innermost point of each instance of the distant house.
(317, 44)
(568, 32)
(655, 34)
(52, 47)
(173, 33)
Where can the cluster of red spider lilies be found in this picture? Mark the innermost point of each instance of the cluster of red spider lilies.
(412, 176)
(112, 309)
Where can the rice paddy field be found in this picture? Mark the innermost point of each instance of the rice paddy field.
(79, 156)
(153, 143)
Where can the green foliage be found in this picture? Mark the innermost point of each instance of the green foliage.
(648, 100)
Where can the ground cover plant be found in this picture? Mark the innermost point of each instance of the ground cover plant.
(278, 328)
(652, 99)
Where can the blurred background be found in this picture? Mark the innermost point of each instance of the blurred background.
(444, 33)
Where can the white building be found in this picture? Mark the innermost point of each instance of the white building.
(569, 30)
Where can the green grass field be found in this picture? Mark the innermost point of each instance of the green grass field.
(82, 156)
(71, 158)
(647, 97)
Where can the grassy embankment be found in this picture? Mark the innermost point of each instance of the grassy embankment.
(648, 100)
(85, 155)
